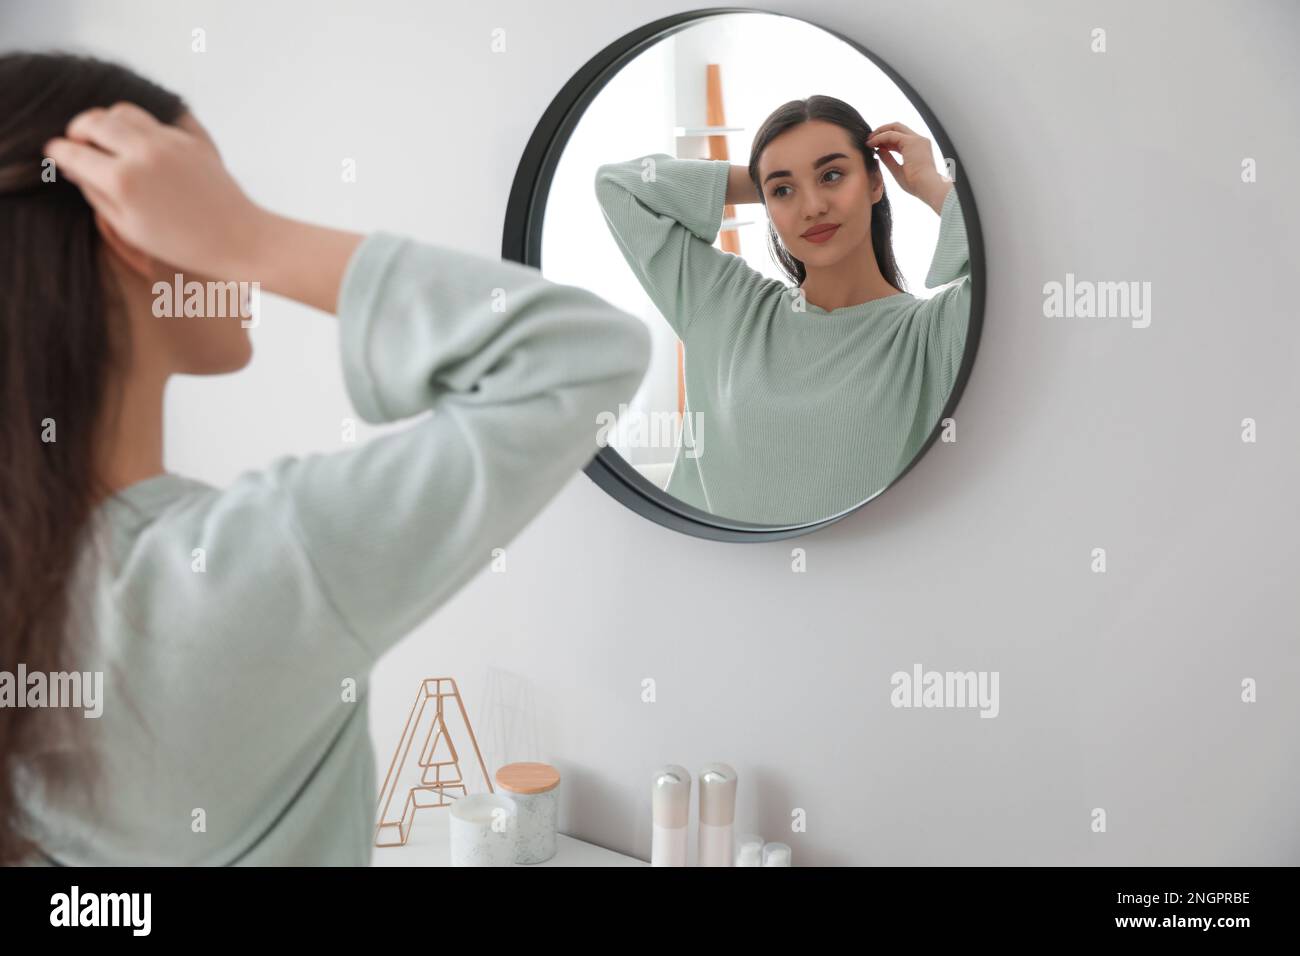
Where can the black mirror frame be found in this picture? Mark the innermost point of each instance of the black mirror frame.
(522, 236)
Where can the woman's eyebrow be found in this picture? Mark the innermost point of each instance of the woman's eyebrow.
(821, 162)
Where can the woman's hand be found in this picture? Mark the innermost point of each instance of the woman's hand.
(916, 174)
(162, 188)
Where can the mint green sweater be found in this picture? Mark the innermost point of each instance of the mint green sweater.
(224, 689)
(803, 415)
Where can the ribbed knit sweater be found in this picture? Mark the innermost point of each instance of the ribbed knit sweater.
(232, 624)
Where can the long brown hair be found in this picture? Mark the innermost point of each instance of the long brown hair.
(61, 337)
(835, 111)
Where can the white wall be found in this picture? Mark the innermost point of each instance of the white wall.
(1118, 690)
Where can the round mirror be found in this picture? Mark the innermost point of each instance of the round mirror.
(793, 227)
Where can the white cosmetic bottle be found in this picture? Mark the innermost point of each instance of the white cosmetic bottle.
(670, 801)
(749, 850)
(717, 814)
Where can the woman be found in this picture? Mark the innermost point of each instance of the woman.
(230, 626)
(812, 398)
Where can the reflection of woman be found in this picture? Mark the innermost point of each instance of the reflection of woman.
(810, 399)
(234, 629)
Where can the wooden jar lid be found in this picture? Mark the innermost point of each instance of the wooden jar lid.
(528, 777)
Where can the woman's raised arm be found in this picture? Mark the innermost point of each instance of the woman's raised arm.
(665, 214)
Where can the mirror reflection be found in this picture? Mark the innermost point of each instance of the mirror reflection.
(774, 207)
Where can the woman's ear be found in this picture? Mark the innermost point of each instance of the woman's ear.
(134, 259)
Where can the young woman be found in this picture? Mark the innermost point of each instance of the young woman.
(814, 397)
(227, 625)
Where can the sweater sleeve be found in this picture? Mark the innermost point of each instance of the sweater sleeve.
(513, 370)
(665, 214)
(948, 311)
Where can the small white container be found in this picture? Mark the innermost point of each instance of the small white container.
(484, 830)
(776, 854)
(535, 788)
(749, 850)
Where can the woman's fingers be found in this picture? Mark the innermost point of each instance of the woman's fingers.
(915, 167)
(85, 165)
(895, 127)
(114, 131)
(887, 136)
(95, 139)
(896, 135)
(134, 115)
(886, 141)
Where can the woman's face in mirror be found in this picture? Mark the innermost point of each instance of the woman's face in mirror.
(812, 174)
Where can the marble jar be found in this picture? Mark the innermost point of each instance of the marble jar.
(484, 830)
(535, 789)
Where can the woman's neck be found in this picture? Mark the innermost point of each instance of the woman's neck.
(854, 280)
(131, 444)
